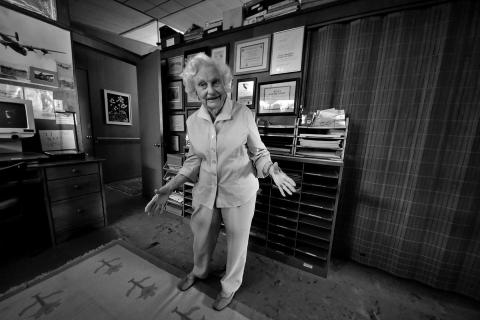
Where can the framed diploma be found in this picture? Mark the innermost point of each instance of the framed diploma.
(174, 143)
(287, 51)
(246, 92)
(190, 53)
(278, 97)
(177, 123)
(192, 100)
(175, 66)
(220, 53)
(174, 95)
(252, 55)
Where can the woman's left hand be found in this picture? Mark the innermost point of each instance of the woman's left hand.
(283, 182)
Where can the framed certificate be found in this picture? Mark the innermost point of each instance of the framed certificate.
(278, 97)
(177, 123)
(175, 66)
(174, 95)
(252, 55)
(220, 53)
(192, 100)
(190, 53)
(174, 143)
(287, 49)
(246, 92)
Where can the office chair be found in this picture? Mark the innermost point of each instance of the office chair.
(11, 207)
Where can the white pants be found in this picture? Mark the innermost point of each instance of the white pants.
(205, 224)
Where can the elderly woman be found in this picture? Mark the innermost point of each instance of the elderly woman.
(225, 159)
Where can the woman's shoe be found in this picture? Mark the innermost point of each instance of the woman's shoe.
(187, 282)
(222, 302)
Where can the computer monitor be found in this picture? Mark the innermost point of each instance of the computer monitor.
(16, 118)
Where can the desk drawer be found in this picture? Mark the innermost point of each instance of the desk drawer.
(74, 212)
(73, 170)
(73, 187)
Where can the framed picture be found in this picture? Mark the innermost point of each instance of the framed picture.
(287, 51)
(191, 111)
(190, 53)
(117, 108)
(44, 77)
(246, 92)
(252, 55)
(175, 66)
(46, 8)
(278, 97)
(174, 143)
(174, 95)
(192, 100)
(220, 53)
(177, 122)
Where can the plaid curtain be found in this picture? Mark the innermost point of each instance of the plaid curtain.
(409, 81)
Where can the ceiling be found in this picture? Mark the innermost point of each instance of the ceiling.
(138, 19)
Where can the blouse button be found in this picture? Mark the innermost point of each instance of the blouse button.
(214, 161)
(213, 136)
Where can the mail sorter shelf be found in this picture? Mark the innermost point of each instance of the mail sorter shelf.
(188, 202)
(279, 139)
(298, 228)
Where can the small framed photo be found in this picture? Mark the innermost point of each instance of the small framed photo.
(190, 53)
(174, 143)
(287, 51)
(252, 55)
(278, 97)
(220, 53)
(246, 92)
(174, 95)
(44, 77)
(192, 100)
(175, 66)
(117, 108)
(191, 111)
(177, 122)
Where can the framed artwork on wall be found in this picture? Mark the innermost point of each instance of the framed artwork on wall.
(117, 108)
(190, 53)
(252, 55)
(174, 143)
(278, 97)
(174, 95)
(287, 51)
(192, 100)
(175, 66)
(220, 53)
(246, 91)
(46, 8)
(45, 77)
(177, 122)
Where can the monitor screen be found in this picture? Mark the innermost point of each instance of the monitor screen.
(13, 115)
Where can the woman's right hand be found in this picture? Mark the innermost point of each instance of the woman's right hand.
(158, 202)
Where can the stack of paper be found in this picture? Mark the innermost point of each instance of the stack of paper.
(323, 144)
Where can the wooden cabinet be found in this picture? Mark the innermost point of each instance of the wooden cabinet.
(74, 197)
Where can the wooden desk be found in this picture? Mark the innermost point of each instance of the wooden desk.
(74, 196)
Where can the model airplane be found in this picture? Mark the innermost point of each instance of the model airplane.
(9, 41)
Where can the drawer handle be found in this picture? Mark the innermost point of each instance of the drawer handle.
(76, 186)
(75, 170)
(79, 210)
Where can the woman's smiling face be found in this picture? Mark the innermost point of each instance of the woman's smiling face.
(209, 87)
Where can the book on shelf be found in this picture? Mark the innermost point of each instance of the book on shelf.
(281, 12)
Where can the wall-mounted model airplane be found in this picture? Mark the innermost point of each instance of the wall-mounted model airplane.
(8, 41)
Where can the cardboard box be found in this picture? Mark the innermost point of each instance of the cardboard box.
(233, 18)
(172, 40)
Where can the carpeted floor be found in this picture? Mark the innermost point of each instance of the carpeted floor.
(352, 291)
(130, 186)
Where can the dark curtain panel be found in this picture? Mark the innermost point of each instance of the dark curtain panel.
(409, 81)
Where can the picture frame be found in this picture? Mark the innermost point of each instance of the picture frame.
(191, 111)
(174, 143)
(190, 53)
(220, 53)
(177, 122)
(175, 66)
(43, 77)
(46, 8)
(174, 95)
(287, 51)
(192, 101)
(118, 110)
(245, 92)
(252, 55)
(278, 97)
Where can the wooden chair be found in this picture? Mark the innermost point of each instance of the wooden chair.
(11, 206)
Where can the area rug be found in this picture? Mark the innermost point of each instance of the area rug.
(117, 281)
(131, 186)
